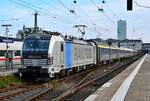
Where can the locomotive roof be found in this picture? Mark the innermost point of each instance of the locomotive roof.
(39, 36)
(117, 48)
(77, 41)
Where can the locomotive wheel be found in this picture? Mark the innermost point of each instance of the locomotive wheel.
(74, 70)
(57, 76)
(63, 72)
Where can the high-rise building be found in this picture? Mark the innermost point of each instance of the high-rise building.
(122, 30)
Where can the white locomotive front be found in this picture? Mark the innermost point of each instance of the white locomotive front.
(47, 56)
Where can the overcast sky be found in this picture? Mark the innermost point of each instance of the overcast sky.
(54, 15)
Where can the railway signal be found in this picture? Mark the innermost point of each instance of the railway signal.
(129, 5)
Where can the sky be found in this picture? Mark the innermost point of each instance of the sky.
(54, 15)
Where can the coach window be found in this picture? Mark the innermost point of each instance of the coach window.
(17, 53)
(2, 53)
(62, 47)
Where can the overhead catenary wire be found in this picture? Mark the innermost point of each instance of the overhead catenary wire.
(51, 6)
(14, 18)
(42, 8)
(69, 11)
(102, 12)
(22, 4)
(32, 8)
(76, 13)
(136, 3)
(67, 8)
(56, 8)
(29, 7)
(113, 13)
(63, 5)
(50, 14)
(86, 14)
(39, 10)
(89, 18)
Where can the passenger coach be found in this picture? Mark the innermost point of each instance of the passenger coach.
(14, 52)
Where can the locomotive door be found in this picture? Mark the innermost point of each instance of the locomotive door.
(62, 54)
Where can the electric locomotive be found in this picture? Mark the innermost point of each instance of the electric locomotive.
(48, 56)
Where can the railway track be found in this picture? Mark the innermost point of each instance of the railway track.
(69, 87)
(66, 88)
(31, 92)
(20, 93)
(99, 79)
(57, 88)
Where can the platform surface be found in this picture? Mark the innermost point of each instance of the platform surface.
(6, 71)
(133, 84)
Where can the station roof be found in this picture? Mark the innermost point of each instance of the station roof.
(126, 40)
(10, 38)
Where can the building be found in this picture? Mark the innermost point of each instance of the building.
(146, 47)
(100, 41)
(131, 44)
(30, 30)
(122, 30)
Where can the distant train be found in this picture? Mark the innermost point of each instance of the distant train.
(48, 56)
(14, 52)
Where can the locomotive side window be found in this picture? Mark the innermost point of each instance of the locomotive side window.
(62, 47)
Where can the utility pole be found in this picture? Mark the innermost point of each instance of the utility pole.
(35, 21)
(81, 29)
(6, 33)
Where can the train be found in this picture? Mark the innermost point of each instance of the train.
(11, 52)
(52, 55)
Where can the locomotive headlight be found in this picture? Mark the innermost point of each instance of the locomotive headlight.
(20, 74)
(50, 60)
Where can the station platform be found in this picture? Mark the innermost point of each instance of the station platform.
(7, 71)
(133, 84)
